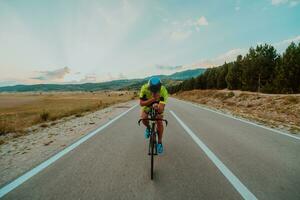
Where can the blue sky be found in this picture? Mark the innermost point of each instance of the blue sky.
(86, 41)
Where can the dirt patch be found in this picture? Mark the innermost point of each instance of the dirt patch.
(276, 111)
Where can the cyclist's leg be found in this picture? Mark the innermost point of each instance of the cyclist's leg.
(160, 128)
(144, 116)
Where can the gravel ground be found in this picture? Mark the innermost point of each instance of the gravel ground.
(279, 111)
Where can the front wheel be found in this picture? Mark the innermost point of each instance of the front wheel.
(152, 144)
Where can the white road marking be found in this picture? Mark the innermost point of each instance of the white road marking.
(238, 119)
(236, 183)
(9, 187)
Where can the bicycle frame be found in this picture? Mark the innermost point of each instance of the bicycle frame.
(152, 142)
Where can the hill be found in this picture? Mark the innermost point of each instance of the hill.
(128, 84)
(192, 73)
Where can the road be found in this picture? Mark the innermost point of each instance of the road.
(207, 156)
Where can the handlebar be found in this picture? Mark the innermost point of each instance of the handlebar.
(153, 119)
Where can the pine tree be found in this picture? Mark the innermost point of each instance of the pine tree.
(234, 75)
(221, 76)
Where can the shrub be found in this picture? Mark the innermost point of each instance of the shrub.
(249, 105)
(44, 116)
(78, 115)
(230, 103)
(230, 94)
(53, 123)
(294, 130)
(44, 125)
(220, 95)
(2, 142)
(292, 99)
(19, 133)
(6, 128)
(243, 96)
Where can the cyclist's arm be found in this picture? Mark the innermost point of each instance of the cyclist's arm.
(163, 100)
(147, 102)
(144, 101)
(163, 96)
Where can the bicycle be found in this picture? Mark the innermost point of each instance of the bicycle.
(152, 150)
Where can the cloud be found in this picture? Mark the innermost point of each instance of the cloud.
(231, 55)
(21, 47)
(87, 40)
(122, 76)
(165, 20)
(202, 21)
(183, 30)
(168, 67)
(294, 3)
(89, 78)
(291, 3)
(18, 81)
(56, 75)
(9, 83)
(180, 35)
(219, 60)
(282, 45)
(278, 2)
(237, 6)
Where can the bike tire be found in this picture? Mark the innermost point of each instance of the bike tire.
(152, 155)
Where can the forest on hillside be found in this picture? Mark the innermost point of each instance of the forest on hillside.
(262, 69)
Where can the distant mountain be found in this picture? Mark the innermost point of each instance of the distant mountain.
(186, 74)
(126, 84)
(111, 85)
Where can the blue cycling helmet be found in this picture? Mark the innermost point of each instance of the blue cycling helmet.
(154, 84)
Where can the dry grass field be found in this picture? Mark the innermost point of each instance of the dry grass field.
(21, 110)
(279, 111)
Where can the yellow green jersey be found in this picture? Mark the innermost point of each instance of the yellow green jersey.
(146, 94)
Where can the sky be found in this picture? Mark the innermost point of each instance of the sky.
(77, 41)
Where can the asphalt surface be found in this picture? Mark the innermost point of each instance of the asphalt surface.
(114, 164)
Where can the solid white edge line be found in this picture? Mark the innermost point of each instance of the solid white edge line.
(236, 183)
(238, 119)
(9, 187)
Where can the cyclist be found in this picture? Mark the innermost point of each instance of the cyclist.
(153, 94)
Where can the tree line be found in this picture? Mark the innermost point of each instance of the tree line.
(262, 69)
